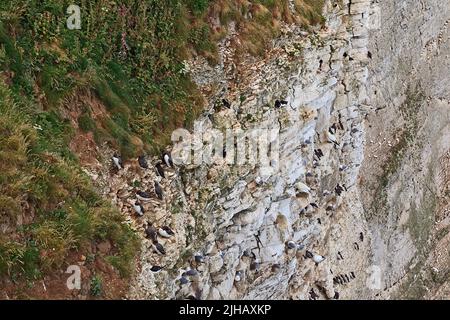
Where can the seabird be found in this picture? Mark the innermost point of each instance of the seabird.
(158, 190)
(291, 244)
(226, 104)
(184, 280)
(165, 232)
(143, 162)
(158, 247)
(336, 295)
(117, 160)
(331, 138)
(338, 190)
(314, 205)
(340, 257)
(361, 236)
(138, 208)
(346, 277)
(309, 254)
(156, 268)
(160, 170)
(352, 275)
(199, 258)
(254, 266)
(356, 246)
(318, 153)
(143, 196)
(276, 267)
(279, 103)
(302, 188)
(167, 159)
(150, 232)
(317, 258)
(313, 295)
(332, 129)
(190, 273)
(238, 276)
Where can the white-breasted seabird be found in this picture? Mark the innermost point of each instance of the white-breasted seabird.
(309, 254)
(143, 195)
(317, 258)
(331, 138)
(165, 232)
(158, 190)
(143, 162)
(291, 244)
(117, 160)
(138, 208)
(158, 247)
(302, 188)
(167, 159)
(238, 276)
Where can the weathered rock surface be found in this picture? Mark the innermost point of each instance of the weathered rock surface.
(381, 187)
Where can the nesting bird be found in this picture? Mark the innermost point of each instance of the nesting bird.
(317, 258)
(226, 103)
(160, 170)
(302, 188)
(199, 258)
(331, 138)
(318, 153)
(291, 245)
(238, 276)
(167, 159)
(184, 280)
(117, 160)
(150, 232)
(143, 162)
(158, 247)
(138, 208)
(339, 190)
(158, 190)
(165, 232)
(156, 269)
(190, 273)
(143, 196)
(280, 103)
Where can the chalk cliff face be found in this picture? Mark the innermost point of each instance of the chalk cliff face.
(377, 78)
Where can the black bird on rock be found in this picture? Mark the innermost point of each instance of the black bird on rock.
(156, 268)
(143, 195)
(226, 103)
(158, 190)
(160, 170)
(150, 232)
(280, 103)
(143, 162)
(158, 247)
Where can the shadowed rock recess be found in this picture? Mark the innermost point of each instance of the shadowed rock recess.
(365, 126)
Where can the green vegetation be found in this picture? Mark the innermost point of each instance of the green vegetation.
(96, 286)
(36, 180)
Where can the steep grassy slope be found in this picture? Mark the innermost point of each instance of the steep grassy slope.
(129, 55)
